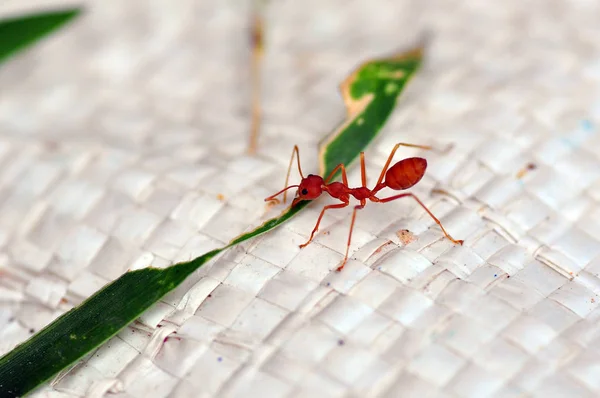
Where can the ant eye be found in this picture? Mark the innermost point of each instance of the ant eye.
(305, 191)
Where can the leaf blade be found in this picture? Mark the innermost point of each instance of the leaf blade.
(143, 287)
(17, 33)
(103, 315)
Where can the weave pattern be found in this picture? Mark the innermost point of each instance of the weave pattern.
(122, 145)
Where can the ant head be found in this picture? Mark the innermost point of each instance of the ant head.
(311, 187)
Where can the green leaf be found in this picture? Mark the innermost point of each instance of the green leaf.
(19, 32)
(370, 94)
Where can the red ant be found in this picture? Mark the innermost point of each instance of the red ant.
(402, 175)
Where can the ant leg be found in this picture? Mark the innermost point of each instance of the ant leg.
(337, 206)
(389, 160)
(287, 177)
(363, 171)
(344, 176)
(356, 208)
(438, 222)
(273, 198)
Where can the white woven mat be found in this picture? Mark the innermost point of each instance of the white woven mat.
(119, 134)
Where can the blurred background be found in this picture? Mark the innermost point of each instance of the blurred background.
(123, 143)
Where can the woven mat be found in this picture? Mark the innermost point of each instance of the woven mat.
(122, 144)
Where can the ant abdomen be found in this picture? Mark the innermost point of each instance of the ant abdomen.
(405, 173)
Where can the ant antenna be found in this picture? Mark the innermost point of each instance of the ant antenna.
(287, 177)
(272, 197)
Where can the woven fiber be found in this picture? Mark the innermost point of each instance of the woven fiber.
(122, 145)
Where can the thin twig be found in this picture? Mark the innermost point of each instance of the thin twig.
(257, 48)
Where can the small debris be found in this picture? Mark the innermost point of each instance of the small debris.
(530, 166)
(272, 203)
(406, 236)
(169, 337)
(380, 248)
(341, 342)
(221, 197)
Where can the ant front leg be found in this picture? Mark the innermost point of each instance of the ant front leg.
(296, 152)
(335, 170)
(438, 222)
(273, 198)
(337, 206)
(345, 176)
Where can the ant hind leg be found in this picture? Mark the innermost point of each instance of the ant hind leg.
(438, 222)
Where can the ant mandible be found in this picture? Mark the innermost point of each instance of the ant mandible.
(402, 175)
